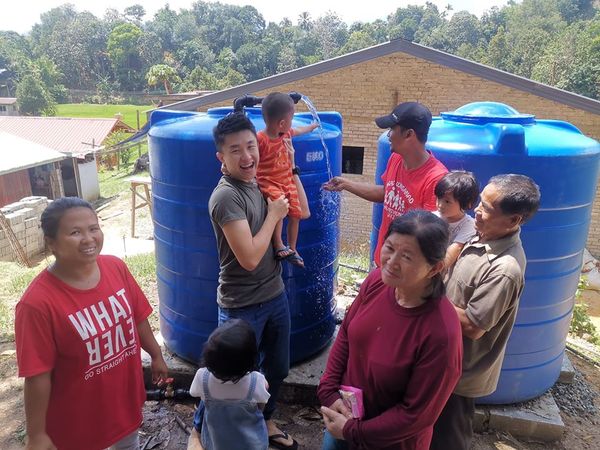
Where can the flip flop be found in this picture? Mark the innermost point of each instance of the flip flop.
(281, 250)
(296, 260)
(273, 443)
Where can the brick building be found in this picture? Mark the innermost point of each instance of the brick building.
(370, 82)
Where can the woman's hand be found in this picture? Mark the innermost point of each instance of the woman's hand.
(40, 442)
(340, 407)
(334, 421)
(159, 369)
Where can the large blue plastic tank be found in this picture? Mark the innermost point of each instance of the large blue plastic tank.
(492, 138)
(184, 172)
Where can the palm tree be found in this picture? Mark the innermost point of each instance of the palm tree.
(161, 73)
(304, 21)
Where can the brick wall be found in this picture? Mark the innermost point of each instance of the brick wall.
(24, 219)
(366, 90)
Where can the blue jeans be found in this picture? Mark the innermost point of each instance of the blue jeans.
(271, 323)
(331, 443)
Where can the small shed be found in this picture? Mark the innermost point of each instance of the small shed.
(78, 139)
(27, 169)
(8, 106)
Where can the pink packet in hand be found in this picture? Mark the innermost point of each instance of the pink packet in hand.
(353, 399)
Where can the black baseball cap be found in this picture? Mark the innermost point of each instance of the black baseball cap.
(412, 115)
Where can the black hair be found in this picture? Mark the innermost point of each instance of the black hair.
(276, 105)
(230, 351)
(232, 123)
(432, 235)
(519, 194)
(56, 210)
(462, 185)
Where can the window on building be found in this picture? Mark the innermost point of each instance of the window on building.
(2, 108)
(352, 159)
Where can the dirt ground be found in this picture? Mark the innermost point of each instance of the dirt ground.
(164, 421)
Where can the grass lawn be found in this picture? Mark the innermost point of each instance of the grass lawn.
(93, 111)
(113, 182)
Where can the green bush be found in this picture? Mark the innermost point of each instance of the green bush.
(581, 324)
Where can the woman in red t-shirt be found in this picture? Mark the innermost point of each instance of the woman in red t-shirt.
(400, 344)
(78, 329)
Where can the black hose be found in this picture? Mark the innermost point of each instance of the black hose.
(162, 394)
(246, 101)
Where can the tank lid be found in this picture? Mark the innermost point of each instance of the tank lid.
(481, 113)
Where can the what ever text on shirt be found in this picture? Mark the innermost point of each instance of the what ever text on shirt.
(108, 330)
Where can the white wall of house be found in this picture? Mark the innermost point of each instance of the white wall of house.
(88, 175)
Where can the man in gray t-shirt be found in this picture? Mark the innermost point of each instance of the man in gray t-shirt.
(250, 284)
(485, 285)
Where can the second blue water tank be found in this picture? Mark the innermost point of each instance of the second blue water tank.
(184, 172)
(492, 138)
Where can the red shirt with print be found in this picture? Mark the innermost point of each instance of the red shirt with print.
(88, 340)
(407, 189)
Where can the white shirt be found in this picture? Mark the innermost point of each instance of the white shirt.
(228, 390)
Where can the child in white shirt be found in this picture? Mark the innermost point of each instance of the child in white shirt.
(457, 192)
(232, 392)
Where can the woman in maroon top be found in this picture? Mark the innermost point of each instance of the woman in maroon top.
(400, 343)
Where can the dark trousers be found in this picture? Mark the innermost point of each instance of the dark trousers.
(454, 428)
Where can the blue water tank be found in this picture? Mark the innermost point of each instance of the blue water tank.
(492, 138)
(184, 173)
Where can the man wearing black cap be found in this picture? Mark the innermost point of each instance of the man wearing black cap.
(411, 174)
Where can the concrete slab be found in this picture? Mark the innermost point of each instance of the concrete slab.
(537, 419)
(123, 246)
(567, 371)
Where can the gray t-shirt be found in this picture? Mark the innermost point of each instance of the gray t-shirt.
(461, 231)
(237, 200)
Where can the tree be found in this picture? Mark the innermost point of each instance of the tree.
(357, 41)
(135, 13)
(304, 21)
(33, 98)
(123, 51)
(199, 79)
(161, 73)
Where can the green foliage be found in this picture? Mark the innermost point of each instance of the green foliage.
(162, 73)
(581, 324)
(552, 41)
(33, 98)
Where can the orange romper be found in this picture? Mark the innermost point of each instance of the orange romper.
(274, 173)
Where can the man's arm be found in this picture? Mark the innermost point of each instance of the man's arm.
(469, 329)
(369, 191)
(249, 250)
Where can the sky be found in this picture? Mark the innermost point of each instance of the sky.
(23, 17)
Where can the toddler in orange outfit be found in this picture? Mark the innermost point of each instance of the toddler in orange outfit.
(277, 175)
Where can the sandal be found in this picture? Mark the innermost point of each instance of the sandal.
(296, 260)
(284, 253)
(273, 443)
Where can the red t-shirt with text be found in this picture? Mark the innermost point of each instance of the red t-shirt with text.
(406, 189)
(89, 342)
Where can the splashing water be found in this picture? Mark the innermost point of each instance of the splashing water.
(313, 112)
(329, 200)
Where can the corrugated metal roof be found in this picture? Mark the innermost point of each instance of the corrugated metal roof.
(17, 154)
(72, 136)
(7, 100)
(388, 48)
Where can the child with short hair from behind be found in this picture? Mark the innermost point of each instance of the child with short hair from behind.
(277, 175)
(456, 192)
(233, 393)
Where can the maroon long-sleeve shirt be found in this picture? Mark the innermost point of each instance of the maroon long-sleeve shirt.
(407, 361)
